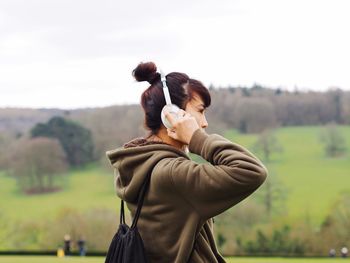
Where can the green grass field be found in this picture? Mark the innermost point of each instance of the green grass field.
(35, 259)
(85, 189)
(313, 181)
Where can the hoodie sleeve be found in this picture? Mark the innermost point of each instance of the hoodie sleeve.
(232, 174)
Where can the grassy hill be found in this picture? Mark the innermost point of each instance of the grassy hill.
(91, 187)
(314, 181)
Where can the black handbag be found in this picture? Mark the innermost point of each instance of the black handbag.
(127, 244)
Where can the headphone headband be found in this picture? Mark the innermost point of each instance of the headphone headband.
(165, 89)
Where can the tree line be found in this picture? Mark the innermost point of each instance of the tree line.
(250, 110)
(74, 138)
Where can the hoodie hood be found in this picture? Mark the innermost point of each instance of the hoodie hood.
(134, 161)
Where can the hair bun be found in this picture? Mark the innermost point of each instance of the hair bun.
(146, 72)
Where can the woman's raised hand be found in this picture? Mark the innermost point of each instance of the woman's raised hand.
(184, 125)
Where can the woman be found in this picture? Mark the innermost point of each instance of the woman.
(176, 219)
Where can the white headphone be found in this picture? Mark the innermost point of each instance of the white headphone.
(169, 107)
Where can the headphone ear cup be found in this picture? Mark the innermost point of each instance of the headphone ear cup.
(172, 109)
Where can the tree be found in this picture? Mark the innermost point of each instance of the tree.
(273, 194)
(267, 144)
(75, 139)
(280, 241)
(6, 141)
(255, 115)
(335, 96)
(221, 240)
(237, 223)
(111, 127)
(333, 140)
(35, 163)
(335, 228)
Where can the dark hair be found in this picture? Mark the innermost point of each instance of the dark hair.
(181, 88)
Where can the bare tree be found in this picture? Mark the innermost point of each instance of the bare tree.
(273, 194)
(333, 140)
(267, 144)
(112, 126)
(36, 162)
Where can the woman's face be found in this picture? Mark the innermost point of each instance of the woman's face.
(196, 108)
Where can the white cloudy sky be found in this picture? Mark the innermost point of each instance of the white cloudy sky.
(80, 53)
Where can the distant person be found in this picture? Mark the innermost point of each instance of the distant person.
(332, 253)
(81, 246)
(344, 252)
(183, 196)
(67, 245)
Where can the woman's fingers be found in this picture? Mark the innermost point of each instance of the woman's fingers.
(183, 125)
(169, 116)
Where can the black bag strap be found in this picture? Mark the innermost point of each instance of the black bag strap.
(139, 203)
(122, 214)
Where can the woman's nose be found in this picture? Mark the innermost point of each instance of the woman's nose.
(204, 123)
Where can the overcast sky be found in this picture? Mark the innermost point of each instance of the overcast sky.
(80, 53)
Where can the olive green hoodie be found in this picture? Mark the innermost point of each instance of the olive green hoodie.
(183, 196)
